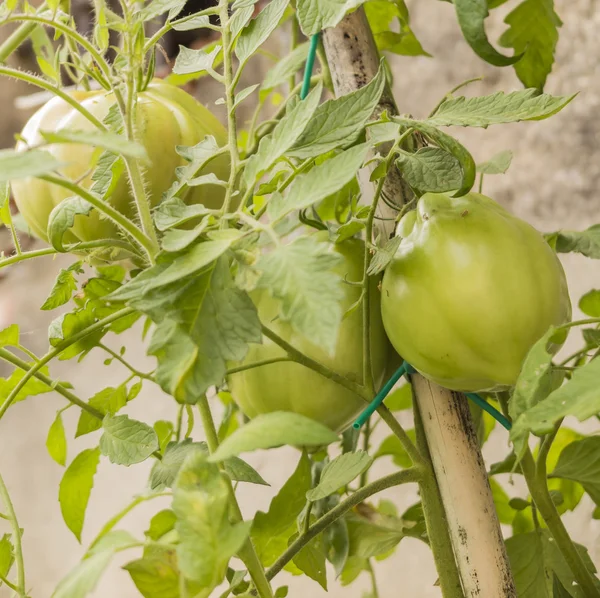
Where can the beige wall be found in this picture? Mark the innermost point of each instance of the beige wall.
(552, 183)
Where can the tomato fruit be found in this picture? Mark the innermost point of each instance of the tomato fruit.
(289, 386)
(469, 291)
(166, 116)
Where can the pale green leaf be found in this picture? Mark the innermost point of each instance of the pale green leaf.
(127, 441)
(586, 242)
(190, 61)
(533, 29)
(63, 288)
(112, 142)
(301, 276)
(7, 556)
(339, 122)
(287, 67)
(272, 430)
(196, 22)
(9, 337)
(259, 29)
(498, 108)
(316, 15)
(108, 401)
(56, 442)
(21, 165)
(589, 303)
(497, 164)
(62, 218)
(340, 472)
(75, 489)
(82, 580)
(430, 169)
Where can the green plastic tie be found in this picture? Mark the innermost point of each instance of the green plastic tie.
(406, 368)
(310, 63)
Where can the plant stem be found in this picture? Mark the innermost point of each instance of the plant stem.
(374, 590)
(436, 521)
(247, 553)
(412, 474)
(119, 219)
(21, 257)
(15, 39)
(5, 496)
(304, 360)
(59, 388)
(538, 488)
(413, 452)
(364, 476)
(123, 362)
(256, 364)
(230, 101)
(34, 369)
(43, 84)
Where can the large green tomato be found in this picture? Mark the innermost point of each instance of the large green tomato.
(469, 291)
(288, 386)
(165, 118)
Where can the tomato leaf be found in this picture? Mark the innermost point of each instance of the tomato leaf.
(62, 218)
(196, 22)
(471, 17)
(21, 165)
(535, 559)
(316, 15)
(339, 122)
(32, 387)
(301, 276)
(158, 7)
(127, 441)
(108, 401)
(400, 399)
(533, 29)
(338, 473)
(156, 575)
(392, 446)
(311, 560)
(320, 182)
(7, 556)
(430, 169)
(287, 67)
(390, 36)
(56, 442)
(283, 136)
(498, 108)
(63, 287)
(272, 430)
(112, 142)
(589, 303)
(207, 539)
(259, 29)
(497, 164)
(9, 337)
(75, 489)
(164, 472)
(579, 397)
(239, 471)
(586, 242)
(190, 61)
(580, 462)
(271, 530)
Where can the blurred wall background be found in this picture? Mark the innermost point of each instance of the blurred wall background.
(553, 182)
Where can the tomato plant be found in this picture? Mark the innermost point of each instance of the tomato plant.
(289, 386)
(467, 264)
(200, 239)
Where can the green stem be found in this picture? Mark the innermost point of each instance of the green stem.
(43, 84)
(247, 553)
(538, 488)
(102, 206)
(374, 590)
(34, 369)
(71, 33)
(179, 423)
(405, 476)
(9, 584)
(59, 388)
(256, 364)
(15, 39)
(436, 521)
(304, 360)
(21, 257)
(229, 82)
(124, 362)
(5, 496)
(364, 476)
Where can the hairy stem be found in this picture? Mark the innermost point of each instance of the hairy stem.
(538, 488)
(256, 364)
(5, 496)
(247, 553)
(405, 476)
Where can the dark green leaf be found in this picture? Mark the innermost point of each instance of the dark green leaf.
(63, 287)
(383, 256)
(430, 169)
(311, 561)
(62, 218)
(239, 471)
(127, 441)
(586, 242)
(164, 472)
(162, 523)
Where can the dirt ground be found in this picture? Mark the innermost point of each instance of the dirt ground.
(552, 182)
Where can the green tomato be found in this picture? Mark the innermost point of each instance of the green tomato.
(166, 117)
(289, 386)
(469, 291)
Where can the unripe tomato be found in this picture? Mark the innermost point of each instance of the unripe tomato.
(289, 386)
(166, 116)
(469, 291)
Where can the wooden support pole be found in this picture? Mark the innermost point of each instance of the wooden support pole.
(459, 467)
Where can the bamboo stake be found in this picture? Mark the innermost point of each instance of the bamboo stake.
(459, 467)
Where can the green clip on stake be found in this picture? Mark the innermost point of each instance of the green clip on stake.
(310, 63)
(406, 368)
